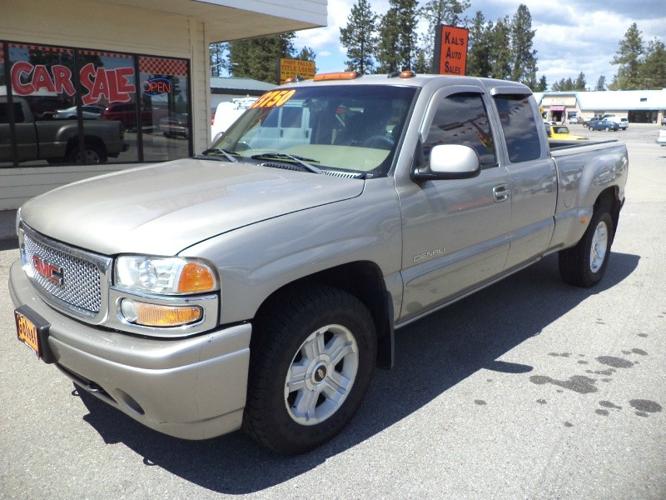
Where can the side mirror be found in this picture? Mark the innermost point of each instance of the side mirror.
(449, 161)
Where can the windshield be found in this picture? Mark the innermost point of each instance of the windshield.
(352, 128)
(561, 130)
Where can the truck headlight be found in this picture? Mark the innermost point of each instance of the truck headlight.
(164, 275)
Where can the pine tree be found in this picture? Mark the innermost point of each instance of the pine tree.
(438, 12)
(306, 54)
(601, 83)
(652, 71)
(523, 58)
(500, 43)
(359, 37)
(580, 82)
(479, 51)
(397, 36)
(628, 58)
(542, 86)
(257, 57)
(218, 61)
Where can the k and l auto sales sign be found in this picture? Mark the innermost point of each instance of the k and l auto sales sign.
(451, 50)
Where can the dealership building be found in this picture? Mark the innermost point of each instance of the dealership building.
(637, 106)
(89, 86)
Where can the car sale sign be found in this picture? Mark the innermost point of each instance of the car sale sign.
(99, 84)
(451, 50)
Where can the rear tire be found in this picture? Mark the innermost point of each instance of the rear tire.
(585, 264)
(313, 352)
(91, 154)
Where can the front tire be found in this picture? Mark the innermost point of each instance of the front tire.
(313, 352)
(585, 264)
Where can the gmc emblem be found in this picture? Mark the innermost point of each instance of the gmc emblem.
(52, 273)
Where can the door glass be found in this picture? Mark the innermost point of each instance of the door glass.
(108, 106)
(519, 126)
(164, 108)
(462, 119)
(42, 85)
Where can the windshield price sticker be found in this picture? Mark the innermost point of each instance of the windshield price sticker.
(273, 99)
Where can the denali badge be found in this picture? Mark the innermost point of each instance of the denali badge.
(49, 271)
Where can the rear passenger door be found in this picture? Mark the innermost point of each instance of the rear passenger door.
(532, 174)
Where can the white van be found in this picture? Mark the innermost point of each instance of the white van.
(227, 113)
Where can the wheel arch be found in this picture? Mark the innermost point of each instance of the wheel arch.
(609, 200)
(365, 281)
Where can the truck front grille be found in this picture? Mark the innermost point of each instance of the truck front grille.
(79, 282)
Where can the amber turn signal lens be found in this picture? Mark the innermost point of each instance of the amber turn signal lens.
(196, 278)
(142, 313)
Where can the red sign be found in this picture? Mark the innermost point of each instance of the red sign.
(111, 84)
(452, 44)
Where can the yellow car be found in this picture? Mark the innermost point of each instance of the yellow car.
(561, 133)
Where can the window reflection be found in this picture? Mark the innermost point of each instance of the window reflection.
(519, 126)
(462, 119)
(164, 108)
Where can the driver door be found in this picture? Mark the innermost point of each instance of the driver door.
(455, 230)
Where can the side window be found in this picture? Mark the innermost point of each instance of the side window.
(291, 117)
(520, 129)
(462, 119)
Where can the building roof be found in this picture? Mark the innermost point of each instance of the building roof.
(232, 85)
(614, 100)
(621, 100)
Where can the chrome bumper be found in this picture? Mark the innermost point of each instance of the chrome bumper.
(192, 388)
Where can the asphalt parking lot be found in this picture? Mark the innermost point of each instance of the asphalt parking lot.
(530, 388)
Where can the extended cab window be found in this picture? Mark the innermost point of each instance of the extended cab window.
(462, 119)
(519, 126)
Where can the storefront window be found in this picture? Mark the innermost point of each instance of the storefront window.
(164, 108)
(46, 128)
(83, 106)
(109, 107)
(6, 149)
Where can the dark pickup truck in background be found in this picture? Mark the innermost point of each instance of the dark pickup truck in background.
(57, 141)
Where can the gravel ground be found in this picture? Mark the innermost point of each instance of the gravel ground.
(529, 388)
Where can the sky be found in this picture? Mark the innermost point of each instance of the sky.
(571, 35)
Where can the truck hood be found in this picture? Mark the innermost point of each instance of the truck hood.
(162, 209)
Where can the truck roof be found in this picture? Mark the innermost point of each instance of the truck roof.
(421, 80)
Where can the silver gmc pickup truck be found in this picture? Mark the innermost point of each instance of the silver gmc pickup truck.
(258, 285)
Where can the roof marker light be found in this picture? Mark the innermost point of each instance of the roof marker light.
(342, 75)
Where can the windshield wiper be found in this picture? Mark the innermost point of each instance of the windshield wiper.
(303, 162)
(229, 155)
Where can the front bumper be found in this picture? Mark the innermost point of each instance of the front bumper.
(192, 388)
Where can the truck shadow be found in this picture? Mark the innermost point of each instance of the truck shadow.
(433, 355)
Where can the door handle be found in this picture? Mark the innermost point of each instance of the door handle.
(501, 193)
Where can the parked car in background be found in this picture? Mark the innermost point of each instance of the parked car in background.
(561, 133)
(88, 113)
(126, 114)
(661, 138)
(175, 126)
(605, 124)
(623, 123)
(227, 113)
